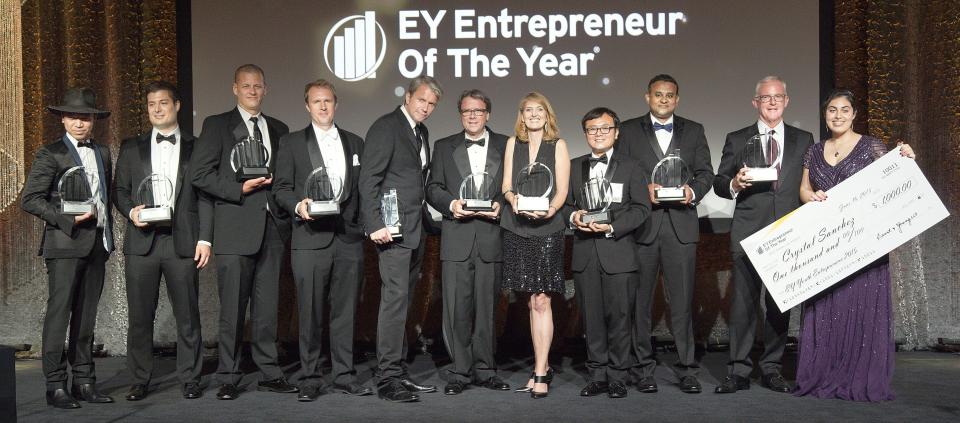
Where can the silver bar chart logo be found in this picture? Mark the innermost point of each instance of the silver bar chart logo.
(355, 47)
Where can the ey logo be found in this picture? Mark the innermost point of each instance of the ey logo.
(354, 47)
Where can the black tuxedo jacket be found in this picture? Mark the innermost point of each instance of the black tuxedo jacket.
(391, 160)
(239, 220)
(299, 155)
(638, 140)
(62, 238)
(616, 254)
(192, 211)
(760, 205)
(449, 165)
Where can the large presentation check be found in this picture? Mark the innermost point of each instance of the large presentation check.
(864, 217)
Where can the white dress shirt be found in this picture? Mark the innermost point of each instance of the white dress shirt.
(88, 159)
(413, 126)
(264, 129)
(478, 154)
(165, 160)
(663, 137)
(331, 148)
(598, 170)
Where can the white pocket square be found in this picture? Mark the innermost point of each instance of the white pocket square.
(356, 160)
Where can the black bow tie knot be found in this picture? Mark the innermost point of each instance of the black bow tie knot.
(87, 143)
(480, 142)
(172, 138)
(595, 160)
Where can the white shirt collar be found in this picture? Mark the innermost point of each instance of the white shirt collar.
(654, 119)
(763, 128)
(321, 133)
(72, 139)
(155, 131)
(246, 115)
(410, 121)
(482, 136)
(609, 153)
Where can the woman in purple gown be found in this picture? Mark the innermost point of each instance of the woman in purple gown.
(846, 333)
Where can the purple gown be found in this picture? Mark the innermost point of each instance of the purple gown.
(846, 333)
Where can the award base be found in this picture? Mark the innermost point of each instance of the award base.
(596, 217)
(252, 172)
(762, 174)
(76, 208)
(478, 205)
(323, 208)
(395, 232)
(156, 215)
(666, 194)
(533, 204)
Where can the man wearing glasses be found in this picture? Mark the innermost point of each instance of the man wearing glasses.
(758, 205)
(470, 244)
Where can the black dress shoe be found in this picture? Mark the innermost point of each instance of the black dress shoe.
(88, 392)
(59, 398)
(278, 385)
(412, 386)
(355, 389)
(545, 379)
(690, 385)
(192, 390)
(594, 388)
(731, 384)
(617, 390)
(309, 393)
(647, 385)
(494, 383)
(454, 388)
(775, 382)
(137, 392)
(228, 391)
(395, 392)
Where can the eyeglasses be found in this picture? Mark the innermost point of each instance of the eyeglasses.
(472, 112)
(603, 130)
(766, 98)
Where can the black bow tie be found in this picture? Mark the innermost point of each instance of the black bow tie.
(481, 142)
(172, 138)
(666, 127)
(87, 143)
(595, 160)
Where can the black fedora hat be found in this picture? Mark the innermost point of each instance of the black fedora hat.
(79, 101)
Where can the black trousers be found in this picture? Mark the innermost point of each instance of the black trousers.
(252, 279)
(143, 289)
(470, 292)
(678, 262)
(745, 311)
(337, 270)
(74, 285)
(399, 272)
(606, 302)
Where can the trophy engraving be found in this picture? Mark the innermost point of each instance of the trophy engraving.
(324, 192)
(759, 160)
(249, 159)
(76, 197)
(671, 174)
(476, 191)
(390, 212)
(156, 194)
(597, 195)
(533, 185)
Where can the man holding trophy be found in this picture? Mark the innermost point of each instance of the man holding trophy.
(67, 188)
(316, 181)
(232, 165)
(391, 185)
(169, 225)
(675, 150)
(607, 200)
(466, 172)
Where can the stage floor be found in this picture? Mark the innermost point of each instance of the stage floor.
(926, 383)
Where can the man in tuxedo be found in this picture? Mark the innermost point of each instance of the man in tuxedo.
(668, 240)
(250, 230)
(396, 157)
(470, 243)
(74, 247)
(176, 249)
(758, 205)
(326, 250)
(604, 260)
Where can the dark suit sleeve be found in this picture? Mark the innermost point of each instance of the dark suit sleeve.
(437, 193)
(207, 166)
(727, 170)
(377, 151)
(122, 183)
(33, 200)
(283, 178)
(569, 206)
(625, 221)
(702, 168)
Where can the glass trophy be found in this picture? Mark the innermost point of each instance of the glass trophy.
(597, 194)
(249, 159)
(324, 192)
(671, 174)
(476, 191)
(76, 197)
(390, 212)
(533, 185)
(156, 194)
(761, 167)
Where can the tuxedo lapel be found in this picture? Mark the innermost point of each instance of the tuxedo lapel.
(675, 136)
(240, 130)
(461, 158)
(313, 149)
(651, 136)
(494, 158)
(274, 141)
(186, 150)
(790, 153)
(347, 166)
(73, 151)
(146, 160)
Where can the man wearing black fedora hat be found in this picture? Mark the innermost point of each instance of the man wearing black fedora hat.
(75, 247)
